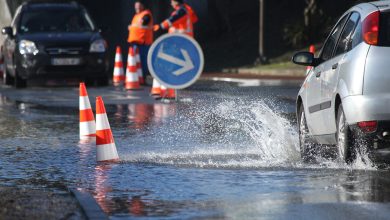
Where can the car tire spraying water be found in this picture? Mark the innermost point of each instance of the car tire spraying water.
(305, 145)
(343, 137)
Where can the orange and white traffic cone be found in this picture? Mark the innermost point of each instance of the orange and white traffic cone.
(87, 121)
(139, 68)
(163, 91)
(170, 94)
(167, 93)
(119, 75)
(106, 149)
(132, 81)
(156, 89)
(312, 49)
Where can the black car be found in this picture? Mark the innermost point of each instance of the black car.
(53, 40)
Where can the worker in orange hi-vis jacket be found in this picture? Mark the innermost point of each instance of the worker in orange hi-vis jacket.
(141, 32)
(181, 20)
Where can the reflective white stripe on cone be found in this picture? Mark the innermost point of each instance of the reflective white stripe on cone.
(106, 153)
(86, 129)
(87, 120)
(105, 145)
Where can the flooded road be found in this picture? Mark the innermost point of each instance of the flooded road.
(226, 150)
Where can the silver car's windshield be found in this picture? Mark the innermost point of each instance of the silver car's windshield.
(55, 20)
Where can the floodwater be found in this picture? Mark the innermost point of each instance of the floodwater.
(223, 152)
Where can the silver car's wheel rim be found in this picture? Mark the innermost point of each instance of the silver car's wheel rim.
(341, 138)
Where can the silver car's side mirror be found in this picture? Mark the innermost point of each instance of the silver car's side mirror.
(304, 58)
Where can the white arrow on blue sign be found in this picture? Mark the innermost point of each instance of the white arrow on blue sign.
(175, 60)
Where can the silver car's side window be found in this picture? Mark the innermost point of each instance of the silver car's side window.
(357, 36)
(345, 41)
(327, 50)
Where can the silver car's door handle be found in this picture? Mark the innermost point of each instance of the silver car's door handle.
(318, 74)
(335, 66)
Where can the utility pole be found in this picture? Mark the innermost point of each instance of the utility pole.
(262, 58)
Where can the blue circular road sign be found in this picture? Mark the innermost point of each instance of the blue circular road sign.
(175, 60)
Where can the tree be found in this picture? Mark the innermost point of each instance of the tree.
(312, 20)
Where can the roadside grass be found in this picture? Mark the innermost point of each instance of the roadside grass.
(281, 65)
(278, 66)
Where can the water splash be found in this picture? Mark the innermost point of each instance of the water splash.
(272, 135)
(361, 162)
(228, 134)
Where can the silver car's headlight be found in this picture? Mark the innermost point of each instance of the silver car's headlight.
(27, 47)
(98, 46)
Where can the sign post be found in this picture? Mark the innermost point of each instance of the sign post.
(175, 60)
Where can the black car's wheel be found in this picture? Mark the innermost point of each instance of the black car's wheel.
(102, 81)
(19, 82)
(306, 146)
(7, 79)
(343, 137)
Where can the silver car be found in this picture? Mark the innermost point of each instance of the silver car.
(345, 98)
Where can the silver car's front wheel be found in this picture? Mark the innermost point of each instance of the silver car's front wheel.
(343, 137)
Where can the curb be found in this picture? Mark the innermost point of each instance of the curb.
(270, 72)
(211, 75)
(254, 80)
(89, 205)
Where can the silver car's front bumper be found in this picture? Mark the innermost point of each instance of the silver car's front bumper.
(366, 108)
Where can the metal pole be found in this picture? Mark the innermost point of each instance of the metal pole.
(261, 32)
(176, 93)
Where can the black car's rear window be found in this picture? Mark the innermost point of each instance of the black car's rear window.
(55, 20)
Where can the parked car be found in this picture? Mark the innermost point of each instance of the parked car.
(53, 40)
(345, 98)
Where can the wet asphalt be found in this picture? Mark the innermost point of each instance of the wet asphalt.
(227, 149)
